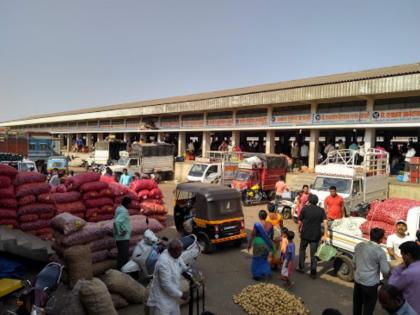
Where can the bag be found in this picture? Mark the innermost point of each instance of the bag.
(124, 285)
(8, 203)
(285, 269)
(71, 207)
(65, 197)
(28, 217)
(97, 203)
(93, 186)
(73, 305)
(35, 225)
(100, 267)
(96, 298)
(7, 213)
(36, 208)
(26, 200)
(78, 261)
(76, 181)
(89, 233)
(28, 177)
(99, 255)
(10, 222)
(7, 170)
(325, 252)
(118, 301)
(67, 223)
(141, 184)
(5, 181)
(8, 192)
(32, 189)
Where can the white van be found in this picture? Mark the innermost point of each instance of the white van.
(205, 173)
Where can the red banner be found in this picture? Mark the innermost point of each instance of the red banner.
(257, 121)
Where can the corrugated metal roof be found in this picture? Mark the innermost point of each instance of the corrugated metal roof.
(293, 84)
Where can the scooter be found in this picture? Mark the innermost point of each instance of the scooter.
(34, 300)
(147, 251)
(286, 206)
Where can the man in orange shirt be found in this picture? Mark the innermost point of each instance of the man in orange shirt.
(334, 205)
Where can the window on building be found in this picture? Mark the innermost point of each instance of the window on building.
(292, 110)
(397, 103)
(251, 113)
(342, 107)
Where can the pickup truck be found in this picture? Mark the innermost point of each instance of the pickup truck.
(358, 184)
(345, 243)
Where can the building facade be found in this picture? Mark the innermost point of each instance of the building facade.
(374, 106)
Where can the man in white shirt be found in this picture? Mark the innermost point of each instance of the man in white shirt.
(165, 293)
(55, 179)
(395, 240)
(411, 152)
(304, 152)
(329, 148)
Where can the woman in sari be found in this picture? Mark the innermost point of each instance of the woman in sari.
(261, 244)
(302, 199)
(276, 221)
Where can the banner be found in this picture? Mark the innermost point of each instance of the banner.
(251, 121)
(396, 115)
(341, 118)
(214, 122)
(291, 119)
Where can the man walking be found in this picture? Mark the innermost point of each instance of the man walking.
(369, 261)
(165, 293)
(310, 220)
(125, 179)
(122, 231)
(304, 153)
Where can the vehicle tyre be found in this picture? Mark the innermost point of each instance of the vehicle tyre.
(238, 243)
(345, 269)
(206, 246)
(287, 213)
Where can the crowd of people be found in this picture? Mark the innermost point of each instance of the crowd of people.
(273, 246)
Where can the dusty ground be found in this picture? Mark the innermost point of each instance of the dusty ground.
(227, 272)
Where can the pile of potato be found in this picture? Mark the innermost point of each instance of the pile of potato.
(269, 299)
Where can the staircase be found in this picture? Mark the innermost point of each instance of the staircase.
(24, 244)
(295, 181)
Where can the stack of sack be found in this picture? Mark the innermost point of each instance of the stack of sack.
(151, 199)
(138, 226)
(34, 214)
(65, 201)
(99, 201)
(103, 296)
(384, 214)
(119, 191)
(8, 202)
(71, 231)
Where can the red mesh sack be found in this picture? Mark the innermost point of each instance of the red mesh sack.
(26, 200)
(35, 225)
(107, 242)
(161, 218)
(156, 193)
(5, 181)
(91, 195)
(143, 194)
(8, 203)
(101, 217)
(76, 181)
(391, 210)
(45, 234)
(132, 211)
(8, 192)
(92, 212)
(8, 213)
(32, 189)
(71, 207)
(107, 179)
(93, 186)
(100, 255)
(47, 215)
(369, 225)
(80, 215)
(117, 189)
(36, 208)
(107, 209)
(141, 184)
(95, 203)
(6, 170)
(155, 201)
(134, 204)
(65, 197)
(9, 222)
(28, 217)
(151, 208)
(28, 177)
(107, 192)
(60, 188)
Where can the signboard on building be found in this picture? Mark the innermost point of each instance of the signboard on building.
(169, 122)
(291, 119)
(220, 119)
(396, 115)
(252, 117)
(341, 118)
(192, 120)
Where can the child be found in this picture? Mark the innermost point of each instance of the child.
(284, 242)
(276, 221)
(289, 261)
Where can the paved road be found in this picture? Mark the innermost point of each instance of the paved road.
(227, 272)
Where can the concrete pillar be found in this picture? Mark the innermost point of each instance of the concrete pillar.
(69, 142)
(370, 103)
(181, 143)
(269, 142)
(126, 136)
(236, 137)
(206, 143)
(370, 137)
(100, 136)
(313, 148)
(89, 140)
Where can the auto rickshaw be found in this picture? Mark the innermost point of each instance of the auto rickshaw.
(214, 213)
(57, 162)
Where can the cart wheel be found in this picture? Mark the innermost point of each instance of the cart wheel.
(345, 270)
(287, 213)
(205, 245)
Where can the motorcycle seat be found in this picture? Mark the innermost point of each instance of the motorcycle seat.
(49, 277)
(187, 241)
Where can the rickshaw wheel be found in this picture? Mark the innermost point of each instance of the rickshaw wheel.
(205, 245)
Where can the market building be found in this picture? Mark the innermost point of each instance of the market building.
(375, 106)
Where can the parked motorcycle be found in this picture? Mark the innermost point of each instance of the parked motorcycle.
(147, 251)
(36, 299)
(254, 195)
(287, 205)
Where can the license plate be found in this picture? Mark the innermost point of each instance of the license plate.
(226, 228)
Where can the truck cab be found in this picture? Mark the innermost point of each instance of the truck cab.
(358, 184)
(205, 172)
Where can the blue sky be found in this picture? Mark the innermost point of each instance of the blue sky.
(58, 55)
